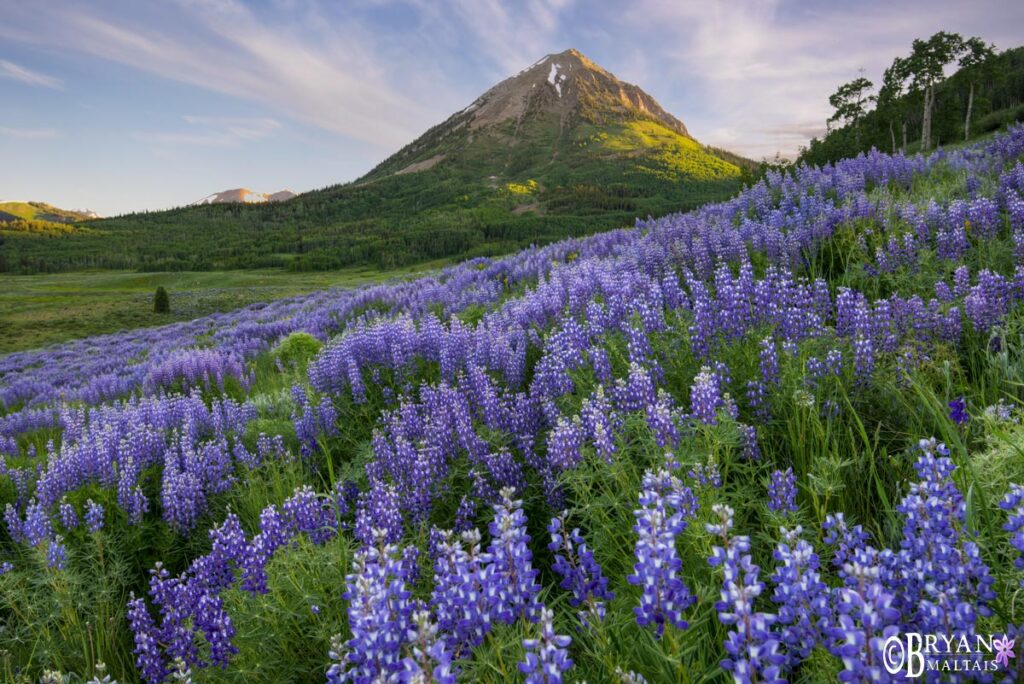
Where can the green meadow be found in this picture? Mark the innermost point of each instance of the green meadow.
(39, 310)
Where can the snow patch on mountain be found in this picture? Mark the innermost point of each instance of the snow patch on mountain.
(555, 78)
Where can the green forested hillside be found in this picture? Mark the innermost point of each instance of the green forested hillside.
(894, 121)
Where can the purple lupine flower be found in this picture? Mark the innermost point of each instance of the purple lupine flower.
(274, 533)
(600, 423)
(304, 423)
(311, 515)
(702, 330)
(13, 522)
(658, 567)
(211, 618)
(958, 411)
(465, 514)
(56, 553)
(189, 605)
(638, 347)
(93, 516)
(429, 661)
(182, 494)
(961, 281)
(68, 516)
(943, 292)
(458, 598)
(564, 444)
(661, 420)
(601, 364)
(751, 449)
(938, 578)
(637, 391)
(149, 658)
(769, 362)
(37, 525)
(802, 597)
(706, 474)
(379, 508)
(782, 491)
(268, 447)
(1013, 502)
(346, 494)
(229, 548)
(512, 587)
(504, 470)
(379, 614)
(678, 497)
(757, 399)
(581, 573)
(844, 538)
(547, 657)
(863, 355)
(865, 619)
(706, 396)
(752, 645)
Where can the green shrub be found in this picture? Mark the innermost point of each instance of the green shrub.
(296, 350)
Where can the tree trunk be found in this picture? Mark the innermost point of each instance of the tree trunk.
(926, 120)
(892, 134)
(904, 148)
(970, 106)
(931, 113)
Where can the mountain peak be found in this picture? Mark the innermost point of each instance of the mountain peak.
(564, 89)
(581, 88)
(574, 57)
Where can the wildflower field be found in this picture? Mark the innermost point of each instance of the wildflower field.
(750, 442)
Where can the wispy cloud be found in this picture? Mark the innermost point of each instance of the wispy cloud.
(10, 70)
(214, 131)
(29, 133)
(512, 36)
(242, 128)
(297, 63)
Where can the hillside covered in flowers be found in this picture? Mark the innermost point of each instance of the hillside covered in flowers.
(750, 442)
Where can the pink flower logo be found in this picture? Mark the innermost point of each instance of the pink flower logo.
(1004, 650)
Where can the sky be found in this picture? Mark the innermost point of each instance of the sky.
(121, 105)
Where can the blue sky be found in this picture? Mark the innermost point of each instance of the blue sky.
(121, 105)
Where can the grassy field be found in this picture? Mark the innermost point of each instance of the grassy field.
(44, 309)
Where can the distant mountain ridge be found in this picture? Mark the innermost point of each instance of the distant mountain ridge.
(562, 148)
(245, 195)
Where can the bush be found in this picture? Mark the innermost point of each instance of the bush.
(297, 349)
(161, 302)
